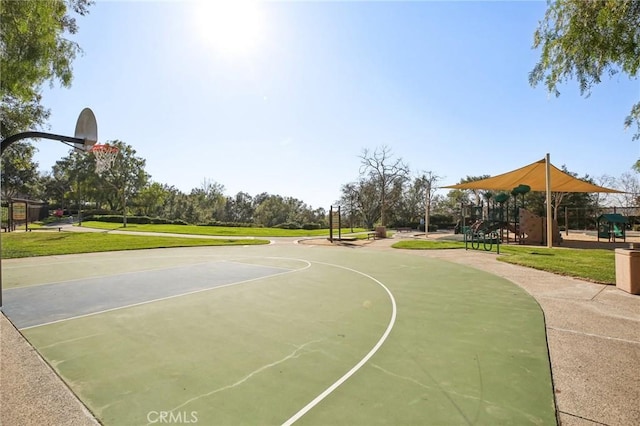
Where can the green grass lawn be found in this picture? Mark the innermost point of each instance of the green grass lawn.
(217, 230)
(592, 265)
(29, 244)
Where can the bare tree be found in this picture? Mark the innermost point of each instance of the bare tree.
(603, 198)
(385, 172)
(630, 184)
(430, 181)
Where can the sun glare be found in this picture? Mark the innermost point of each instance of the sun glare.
(230, 26)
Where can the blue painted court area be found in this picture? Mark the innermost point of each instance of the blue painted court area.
(41, 304)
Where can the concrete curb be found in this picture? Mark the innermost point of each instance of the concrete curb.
(32, 393)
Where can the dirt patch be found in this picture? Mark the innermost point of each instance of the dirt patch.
(588, 241)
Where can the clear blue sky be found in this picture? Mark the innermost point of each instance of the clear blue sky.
(284, 96)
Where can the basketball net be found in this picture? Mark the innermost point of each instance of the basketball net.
(105, 157)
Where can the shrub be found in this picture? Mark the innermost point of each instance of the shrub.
(105, 218)
(309, 226)
(288, 225)
(117, 218)
(228, 224)
(161, 221)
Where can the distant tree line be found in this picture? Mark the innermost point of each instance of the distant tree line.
(127, 189)
(386, 192)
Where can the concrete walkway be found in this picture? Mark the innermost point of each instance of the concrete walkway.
(593, 333)
(31, 393)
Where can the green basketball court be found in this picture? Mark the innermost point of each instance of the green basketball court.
(283, 333)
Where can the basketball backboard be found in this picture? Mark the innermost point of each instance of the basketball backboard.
(87, 129)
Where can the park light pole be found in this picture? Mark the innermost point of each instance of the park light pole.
(86, 135)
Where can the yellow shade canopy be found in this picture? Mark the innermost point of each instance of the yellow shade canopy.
(534, 175)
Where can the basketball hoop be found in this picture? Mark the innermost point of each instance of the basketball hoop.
(105, 156)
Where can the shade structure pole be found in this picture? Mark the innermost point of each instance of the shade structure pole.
(427, 206)
(549, 218)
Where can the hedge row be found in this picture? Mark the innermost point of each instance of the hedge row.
(231, 224)
(295, 225)
(111, 218)
(117, 218)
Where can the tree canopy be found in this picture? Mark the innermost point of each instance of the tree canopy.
(587, 40)
(34, 49)
(19, 171)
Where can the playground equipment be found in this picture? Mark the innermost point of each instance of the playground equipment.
(533, 229)
(479, 236)
(500, 220)
(612, 226)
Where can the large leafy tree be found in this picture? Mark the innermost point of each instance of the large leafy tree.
(34, 49)
(19, 171)
(175, 203)
(587, 40)
(71, 180)
(239, 208)
(151, 200)
(208, 202)
(122, 182)
(272, 211)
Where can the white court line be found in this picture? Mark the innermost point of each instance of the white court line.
(167, 298)
(359, 365)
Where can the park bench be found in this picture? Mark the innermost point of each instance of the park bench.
(48, 228)
(372, 234)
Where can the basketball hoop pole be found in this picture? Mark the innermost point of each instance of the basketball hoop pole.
(86, 135)
(6, 143)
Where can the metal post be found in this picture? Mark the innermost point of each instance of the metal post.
(549, 218)
(339, 225)
(331, 223)
(427, 206)
(6, 143)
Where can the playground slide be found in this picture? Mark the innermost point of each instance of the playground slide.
(617, 231)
